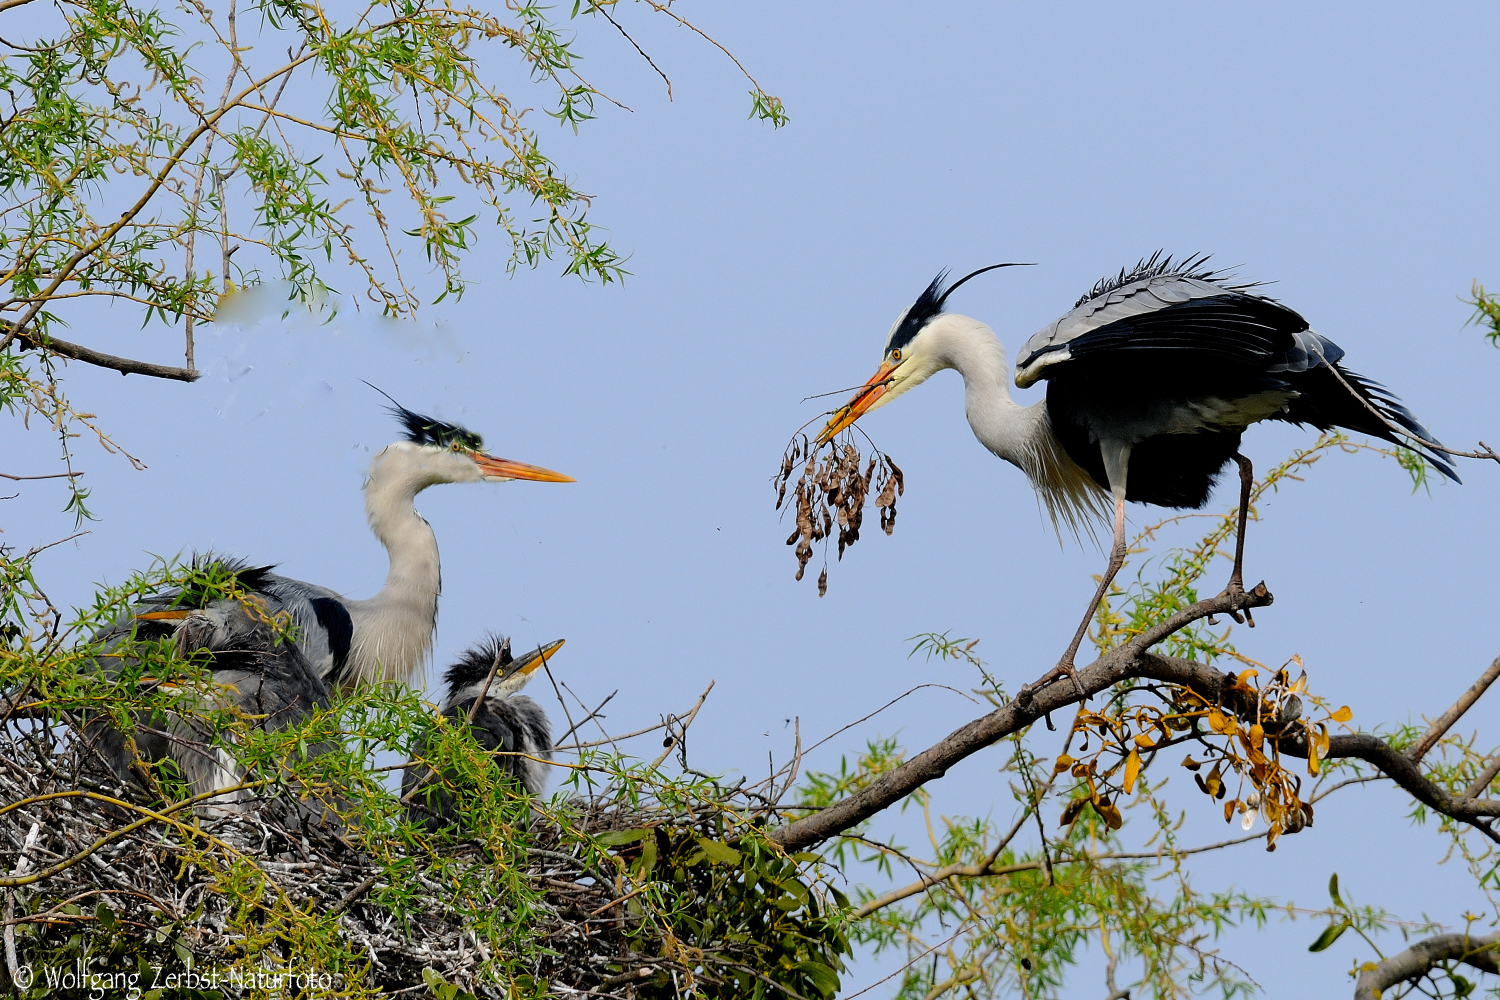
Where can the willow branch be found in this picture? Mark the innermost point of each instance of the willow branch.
(149, 816)
(987, 869)
(63, 273)
(1484, 450)
(1218, 688)
(1482, 783)
(682, 730)
(125, 366)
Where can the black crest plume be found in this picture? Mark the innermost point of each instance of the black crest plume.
(474, 664)
(209, 577)
(430, 430)
(1162, 265)
(930, 303)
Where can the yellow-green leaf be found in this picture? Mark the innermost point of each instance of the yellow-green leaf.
(1330, 934)
(615, 838)
(718, 852)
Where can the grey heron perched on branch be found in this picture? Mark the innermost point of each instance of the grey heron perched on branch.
(1151, 380)
(388, 637)
(484, 693)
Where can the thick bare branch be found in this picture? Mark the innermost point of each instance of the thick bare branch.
(1218, 688)
(1131, 661)
(1029, 705)
(1420, 958)
(1482, 783)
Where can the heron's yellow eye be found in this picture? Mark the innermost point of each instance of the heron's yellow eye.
(896, 354)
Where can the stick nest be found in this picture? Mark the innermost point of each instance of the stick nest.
(155, 897)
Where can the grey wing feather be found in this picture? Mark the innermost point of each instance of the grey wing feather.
(1134, 299)
(323, 624)
(1307, 352)
(252, 667)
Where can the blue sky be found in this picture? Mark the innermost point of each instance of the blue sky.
(1347, 153)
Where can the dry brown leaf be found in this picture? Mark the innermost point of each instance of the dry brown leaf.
(833, 491)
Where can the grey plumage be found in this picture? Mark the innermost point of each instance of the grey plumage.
(1174, 358)
(253, 668)
(1152, 379)
(507, 725)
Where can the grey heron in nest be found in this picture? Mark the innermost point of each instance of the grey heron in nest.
(388, 637)
(254, 670)
(483, 693)
(1151, 380)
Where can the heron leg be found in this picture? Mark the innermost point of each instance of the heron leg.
(1116, 462)
(1236, 577)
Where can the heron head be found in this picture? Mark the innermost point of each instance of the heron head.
(443, 452)
(466, 677)
(913, 353)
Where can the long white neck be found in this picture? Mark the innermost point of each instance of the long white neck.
(1022, 435)
(1002, 425)
(393, 630)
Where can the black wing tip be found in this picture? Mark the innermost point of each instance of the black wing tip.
(425, 430)
(1163, 265)
(1392, 409)
(473, 664)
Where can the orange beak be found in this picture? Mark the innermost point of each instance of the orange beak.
(866, 397)
(504, 468)
(537, 658)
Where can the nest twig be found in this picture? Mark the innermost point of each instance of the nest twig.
(154, 882)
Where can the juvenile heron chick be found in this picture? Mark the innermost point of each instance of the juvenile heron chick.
(507, 724)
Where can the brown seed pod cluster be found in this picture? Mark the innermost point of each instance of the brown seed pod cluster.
(833, 490)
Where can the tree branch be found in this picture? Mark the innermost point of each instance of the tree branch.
(1029, 705)
(1133, 660)
(1217, 688)
(1445, 722)
(674, 741)
(1420, 958)
(987, 868)
(125, 366)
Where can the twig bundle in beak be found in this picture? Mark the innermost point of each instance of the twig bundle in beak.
(833, 489)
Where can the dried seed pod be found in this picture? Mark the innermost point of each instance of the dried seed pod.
(833, 489)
